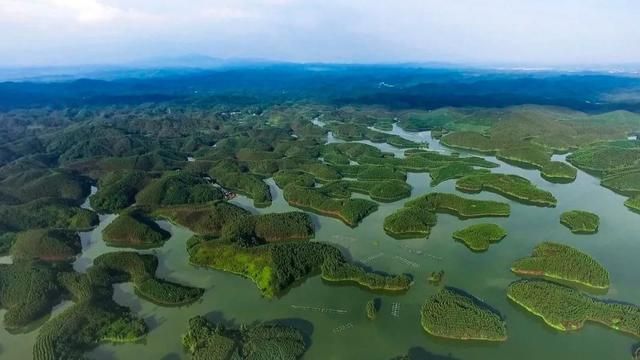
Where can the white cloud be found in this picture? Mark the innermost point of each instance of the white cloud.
(527, 31)
(228, 13)
(89, 11)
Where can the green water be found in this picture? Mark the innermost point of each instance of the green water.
(350, 335)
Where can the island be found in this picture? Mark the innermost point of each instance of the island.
(454, 314)
(270, 340)
(140, 270)
(453, 170)
(459, 206)
(349, 211)
(275, 267)
(478, 237)
(616, 163)
(563, 262)
(133, 229)
(410, 223)
(567, 309)
(418, 216)
(633, 203)
(379, 190)
(29, 291)
(580, 222)
(510, 186)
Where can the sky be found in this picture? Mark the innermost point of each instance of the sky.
(513, 32)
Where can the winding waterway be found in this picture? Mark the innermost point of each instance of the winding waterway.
(333, 317)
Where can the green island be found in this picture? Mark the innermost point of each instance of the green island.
(633, 203)
(354, 132)
(46, 245)
(563, 262)
(418, 216)
(373, 164)
(616, 163)
(528, 135)
(526, 155)
(459, 206)
(510, 186)
(607, 157)
(205, 340)
(84, 326)
(567, 309)
(140, 269)
(371, 172)
(419, 160)
(275, 267)
(133, 229)
(453, 170)
(454, 314)
(349, 211)
(480, 236)
(28, 291)
(580, 222)
(533, 156)
(94, 317)
(382, 191)
(625, 182)
(410, 222)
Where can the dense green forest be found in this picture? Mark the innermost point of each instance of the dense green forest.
(418, 216)
(206, 340)
(563, 262)
(567, 309)
(275, 267)
(580, 222)
(480, 236)
(454, 314)
(133, 229)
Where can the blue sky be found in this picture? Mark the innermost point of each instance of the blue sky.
(514, 32)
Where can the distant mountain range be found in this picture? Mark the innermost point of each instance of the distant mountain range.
(190, 64)
(394, 85)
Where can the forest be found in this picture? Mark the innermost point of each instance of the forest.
(563, 262)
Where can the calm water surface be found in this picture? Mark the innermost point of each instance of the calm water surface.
(349, 335)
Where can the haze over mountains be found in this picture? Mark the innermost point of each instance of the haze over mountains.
(394, 85)
(162, 66)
